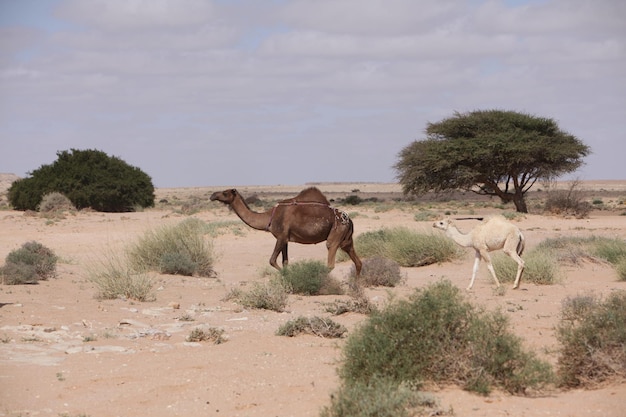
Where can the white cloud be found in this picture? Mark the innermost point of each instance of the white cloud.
(135, 15)
(200, 92)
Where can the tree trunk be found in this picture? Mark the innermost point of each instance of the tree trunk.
(520, 203)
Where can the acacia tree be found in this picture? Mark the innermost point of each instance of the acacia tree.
(489, 152)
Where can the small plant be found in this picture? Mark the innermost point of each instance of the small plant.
(380, 272)
(206, 335)
(312, 325)
(186, 317)
(309, 278)
(593, 338)
(29, 264)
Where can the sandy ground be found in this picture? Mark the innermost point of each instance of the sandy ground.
(63, 352)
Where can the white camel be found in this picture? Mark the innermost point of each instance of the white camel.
(492, 234)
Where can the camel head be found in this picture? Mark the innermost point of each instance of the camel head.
(226, 196)
(441, 224)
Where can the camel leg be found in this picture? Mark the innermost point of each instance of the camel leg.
(355, 258)
(474, 270)
(487, 259)
(332, 252)
(520, 267)
(278, 248)
(285, 256)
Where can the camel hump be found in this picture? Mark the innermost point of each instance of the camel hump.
(311, 194)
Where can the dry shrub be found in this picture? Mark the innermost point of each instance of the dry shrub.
(211, 334)
(29, 264)
(55, 202)
(380, 272)
(568, 202)
(317, 326)
(593, 338)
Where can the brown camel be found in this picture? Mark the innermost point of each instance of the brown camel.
(307, 218)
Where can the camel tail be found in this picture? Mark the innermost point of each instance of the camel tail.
(521, 244)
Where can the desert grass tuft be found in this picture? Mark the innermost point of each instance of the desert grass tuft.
(269, 295)
(574, 250)
(178, 249)
(114, 279)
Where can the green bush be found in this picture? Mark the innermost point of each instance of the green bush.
(89, 178)
(439, 337)
(309, 278)
(179, 249)
(593, 338)
(29, 264)
(317, 326)
(406, 247)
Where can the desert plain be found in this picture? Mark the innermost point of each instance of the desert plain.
(66, 353)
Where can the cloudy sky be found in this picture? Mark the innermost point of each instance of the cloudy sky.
(243, 92)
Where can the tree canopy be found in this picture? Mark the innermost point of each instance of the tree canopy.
(89, 178)
(490, 152)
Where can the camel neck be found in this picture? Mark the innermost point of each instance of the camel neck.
(460, 238)
(259, 221)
